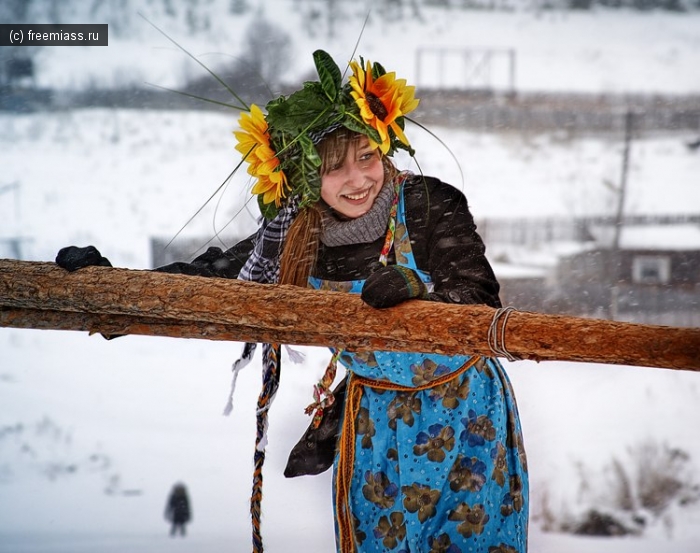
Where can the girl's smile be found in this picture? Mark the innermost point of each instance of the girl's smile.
(358, 197)
(351, 187)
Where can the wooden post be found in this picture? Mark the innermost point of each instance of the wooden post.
(120, 301)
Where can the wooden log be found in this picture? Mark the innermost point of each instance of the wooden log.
(121, 301)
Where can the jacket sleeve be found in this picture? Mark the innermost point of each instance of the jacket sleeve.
(455, 252)
(215, 262)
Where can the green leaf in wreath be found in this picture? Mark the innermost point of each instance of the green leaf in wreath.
(293, 115)
(356, 125)
(378, 70)
(309, 150)
(328, 73)
(312, 189)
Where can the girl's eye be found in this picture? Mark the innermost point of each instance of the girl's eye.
(366, 156)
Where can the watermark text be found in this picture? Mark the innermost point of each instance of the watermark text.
(45, 34)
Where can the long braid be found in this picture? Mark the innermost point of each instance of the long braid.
(271, 378)
(263, 266)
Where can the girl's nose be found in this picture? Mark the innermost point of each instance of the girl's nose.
(353, 176)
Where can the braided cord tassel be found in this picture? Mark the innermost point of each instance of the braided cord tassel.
(323, 396)
(271, 376)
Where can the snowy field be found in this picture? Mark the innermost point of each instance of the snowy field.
(136, 414)
(94, 433)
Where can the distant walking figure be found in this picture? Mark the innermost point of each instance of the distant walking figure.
(177, 510)
(694, 145)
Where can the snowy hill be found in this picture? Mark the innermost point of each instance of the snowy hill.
(599, 50)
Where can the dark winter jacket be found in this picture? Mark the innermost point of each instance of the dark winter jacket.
(177, 509)
(443, 238)
(445, 244)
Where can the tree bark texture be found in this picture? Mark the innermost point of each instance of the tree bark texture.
(119, 301)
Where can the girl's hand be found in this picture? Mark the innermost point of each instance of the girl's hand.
(392, 285)
(73, 258)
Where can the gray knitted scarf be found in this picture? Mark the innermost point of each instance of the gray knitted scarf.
(364, 229)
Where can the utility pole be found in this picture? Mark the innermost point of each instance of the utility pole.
(617, 230)
(622, 191)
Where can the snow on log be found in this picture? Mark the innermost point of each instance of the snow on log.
(120, 301)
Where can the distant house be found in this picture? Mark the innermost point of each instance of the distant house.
(523, 287)
(652, 276)
(528, 275)
(17, 70)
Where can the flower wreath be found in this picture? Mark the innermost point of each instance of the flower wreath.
(280, 147)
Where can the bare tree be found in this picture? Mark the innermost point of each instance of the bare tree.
(267, 50)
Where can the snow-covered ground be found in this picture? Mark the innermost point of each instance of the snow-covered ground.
(93, 433)
(149, 410)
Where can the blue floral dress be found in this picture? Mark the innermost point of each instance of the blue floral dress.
(431, 455)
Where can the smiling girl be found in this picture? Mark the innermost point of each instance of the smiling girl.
(429, 454)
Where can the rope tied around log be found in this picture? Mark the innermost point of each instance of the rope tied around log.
(497, 337)
(43, 296)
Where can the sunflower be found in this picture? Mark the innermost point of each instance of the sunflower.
(382, 101)
(254, 144)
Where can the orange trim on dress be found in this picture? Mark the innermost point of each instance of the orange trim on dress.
(346, 444)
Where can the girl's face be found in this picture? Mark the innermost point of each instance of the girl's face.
(351, 186)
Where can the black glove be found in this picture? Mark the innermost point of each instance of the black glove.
(73, 258)
(392, 285)
(212, 263)
(314, 452)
